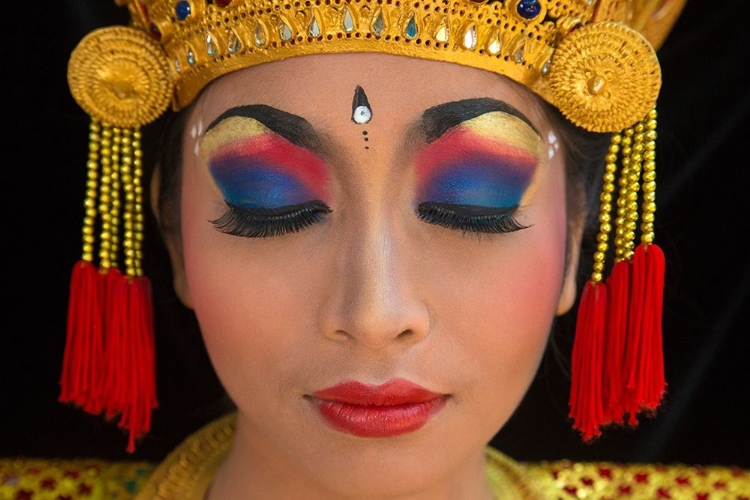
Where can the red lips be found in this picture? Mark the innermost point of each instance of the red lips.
(395, 407)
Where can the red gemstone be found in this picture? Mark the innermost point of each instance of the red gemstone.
(663, 493)
(48, 484)
(154, 30)
(23, 495)
(222, 3)
(144, 10)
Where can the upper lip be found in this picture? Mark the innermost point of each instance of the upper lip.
(393, 392)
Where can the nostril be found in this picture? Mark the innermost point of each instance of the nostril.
(405, 334)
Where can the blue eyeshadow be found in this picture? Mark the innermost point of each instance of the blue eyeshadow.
(254, 184)
(481, 181)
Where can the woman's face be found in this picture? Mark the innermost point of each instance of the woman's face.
(355, 224)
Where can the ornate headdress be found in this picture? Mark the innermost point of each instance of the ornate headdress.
(594, 60)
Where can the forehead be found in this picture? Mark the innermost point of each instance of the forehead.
(321, 89)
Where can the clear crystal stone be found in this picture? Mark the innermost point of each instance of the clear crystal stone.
(545, 67)
(348, 23)
(378, 27)
(518, 54)
(494, 46)
(314, 28)
(191, 57)
(443, 33)
(177, 65)
(470, 38)
(260, 35)
(211, 49)
(234, 44)
(285, 32)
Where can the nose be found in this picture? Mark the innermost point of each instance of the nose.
(373, 298)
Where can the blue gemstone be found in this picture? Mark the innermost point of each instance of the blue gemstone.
(529, 9)
(182, 10)
(411, 28)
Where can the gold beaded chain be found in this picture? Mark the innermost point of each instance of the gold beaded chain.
(621, 222)
(636, 147)
(115, 204)
(92, 184)
(114, 164)
(605, 209)
(649, 180)
(105, 200)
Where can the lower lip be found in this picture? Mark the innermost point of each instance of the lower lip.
(378, 421)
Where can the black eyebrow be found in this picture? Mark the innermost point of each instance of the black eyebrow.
(437, 120)
(292, 127)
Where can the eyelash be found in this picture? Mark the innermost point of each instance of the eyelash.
(267, 222)
(483, 220)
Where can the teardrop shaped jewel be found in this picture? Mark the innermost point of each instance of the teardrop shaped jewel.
(285, 32)
(234, 44)
(378, 27)
(314, 28)
(518, 53)
(191, 57)
(348, 23)
(545, 66)
(177, 65)
(443, 33)
(411, 30)
(211, 49)
(260, 35)
(495, 45)
(470, 38)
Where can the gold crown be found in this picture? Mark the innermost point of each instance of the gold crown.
(593, 60)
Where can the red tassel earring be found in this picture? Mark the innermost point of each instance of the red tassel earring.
(644, 361)
(121, 78)
(617, 361)
(108, 366)
(587, 368)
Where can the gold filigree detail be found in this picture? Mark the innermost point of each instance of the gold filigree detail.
(605, 77)
(245, 33)
(120, 76)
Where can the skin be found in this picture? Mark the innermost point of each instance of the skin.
(371, 292)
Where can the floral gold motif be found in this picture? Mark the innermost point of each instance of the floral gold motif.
(605, 76)
(120, 76)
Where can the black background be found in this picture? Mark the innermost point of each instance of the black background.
(702, 225)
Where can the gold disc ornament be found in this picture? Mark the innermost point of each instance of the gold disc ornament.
(120, 76)
(605, 76)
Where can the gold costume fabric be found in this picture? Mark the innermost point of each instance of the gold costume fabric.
(187, 472)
